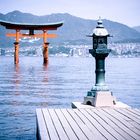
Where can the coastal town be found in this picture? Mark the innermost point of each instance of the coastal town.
(117, 50)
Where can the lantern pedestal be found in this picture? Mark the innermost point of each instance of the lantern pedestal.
(101, 99)
(100, 95)
(82, 105)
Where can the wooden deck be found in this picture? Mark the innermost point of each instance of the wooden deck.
(88, 124)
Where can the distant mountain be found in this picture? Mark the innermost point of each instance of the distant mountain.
(137, 28)
(73, 31)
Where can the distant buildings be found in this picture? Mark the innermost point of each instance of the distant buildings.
(125, 49)
(2, 52)
(117, 50)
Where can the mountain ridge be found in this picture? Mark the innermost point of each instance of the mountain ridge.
(73, 31)
(137, 28)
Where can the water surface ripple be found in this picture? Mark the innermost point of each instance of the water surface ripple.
(30, 85)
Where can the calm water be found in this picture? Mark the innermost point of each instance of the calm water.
(31, 85)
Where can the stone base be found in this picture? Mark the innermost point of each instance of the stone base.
(81, 105)
(102, 98)
(89, 100)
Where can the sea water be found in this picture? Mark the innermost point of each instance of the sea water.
(30, 85)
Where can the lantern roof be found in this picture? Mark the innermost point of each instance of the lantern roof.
(100, 30)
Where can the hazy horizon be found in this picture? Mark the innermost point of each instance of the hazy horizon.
(126, 11)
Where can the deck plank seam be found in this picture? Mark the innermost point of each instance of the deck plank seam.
(77, 124)
(124, 125)
(70, 125)
(127, 114)
(138, 110)
(79, 113)
(117, 127)
(104, 119)
(54, 124)
(86, 130)
(93, 124)
(133, 111)
(61, 124)
(45, 125)
(132, 114)
(117, 123)
(121, 117)
(66, 124)
(100, 122)
(133, 119)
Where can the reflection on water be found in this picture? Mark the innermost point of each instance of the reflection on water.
(16, 79)
(30, 85)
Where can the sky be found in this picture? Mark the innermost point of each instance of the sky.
(123, 11)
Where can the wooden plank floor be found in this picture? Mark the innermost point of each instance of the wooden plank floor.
(88, 124)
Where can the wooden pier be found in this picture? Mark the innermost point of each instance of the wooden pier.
(88, 124)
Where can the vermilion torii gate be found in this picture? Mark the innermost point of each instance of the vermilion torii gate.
(31, 27)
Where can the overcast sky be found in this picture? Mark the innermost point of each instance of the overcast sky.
(123, 11)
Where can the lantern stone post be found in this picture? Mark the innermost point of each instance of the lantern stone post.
(99, 95)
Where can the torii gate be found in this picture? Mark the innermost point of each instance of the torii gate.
(31, 27)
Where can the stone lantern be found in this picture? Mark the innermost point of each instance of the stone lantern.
(99, 95)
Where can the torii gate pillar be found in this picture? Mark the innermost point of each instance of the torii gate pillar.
(45, 53)
(16, 54)
(45, 47)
